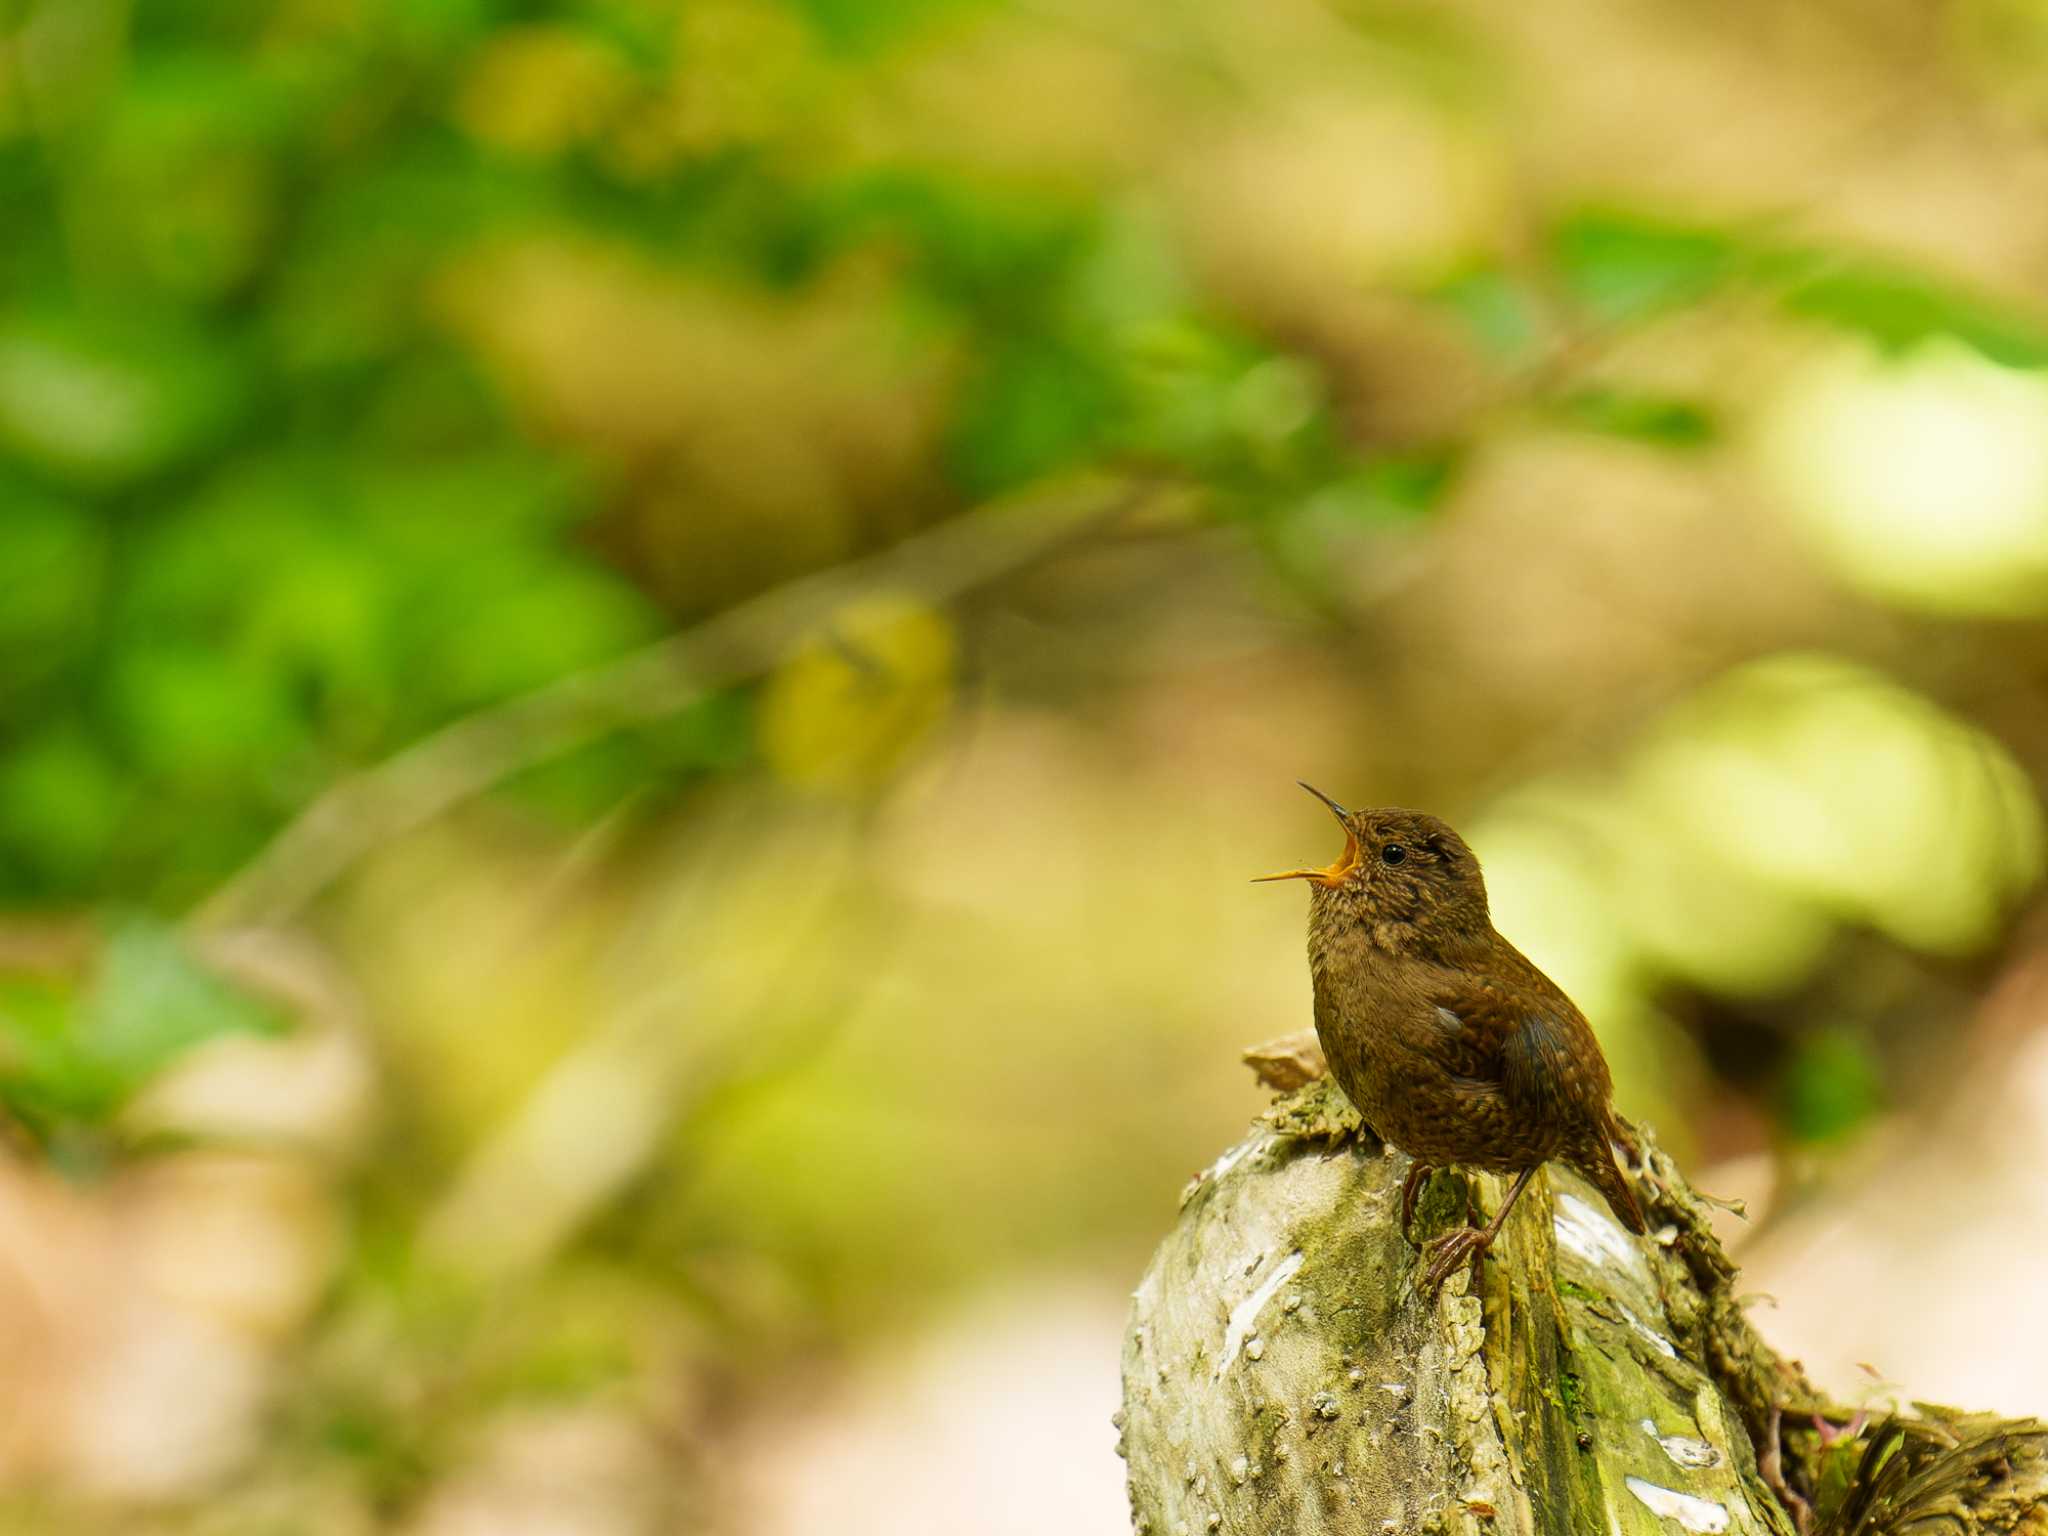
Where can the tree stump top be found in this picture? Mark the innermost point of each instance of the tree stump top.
(1282, 1372)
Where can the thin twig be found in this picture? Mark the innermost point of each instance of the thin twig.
(463, 759)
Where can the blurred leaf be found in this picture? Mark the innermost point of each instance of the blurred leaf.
(1182, 378)
(654, 760)
(51, 552)
(207, 241)
(535, 91)
(1275, 399)
(853, 703)
(200, 565)
(39, 1081)
(62, 802)
(978, 249)
(714, 735)
(102, 405)
(1898, 309)
(1412, 482)
(432, 401)
(1034, 407)
(434, 506)
(171, 24)
(368, 242)
(866, 26)
(1622, 266)
(150, 1001)
(509, 620)
(71, 1057)
(191, 717)
(1831, 1086)
(1314, 535)
(1656, 419)
(432, 28)
(181, 185)
(1130, 280)
(1499, 310)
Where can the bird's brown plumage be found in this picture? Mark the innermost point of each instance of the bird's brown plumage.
(1453, 1046)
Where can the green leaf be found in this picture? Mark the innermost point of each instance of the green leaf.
(431, 28)
(868, 26)
(42, 1081)
(150, 1001)
(976, 250)
(1301, 536)
(51, 552)
(1659, 419)
(192, 716)
(1409, 484)
(100, 406)
(1500, 312)
(1621, 266)
(1182, 380)
(180, 187)
(62, 800)
(1899, 309)
(506, 620)
(1036, 407)
(1830, 1087)
(715, 734)
(71, 1057)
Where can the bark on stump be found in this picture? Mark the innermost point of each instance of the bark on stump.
(1281, 1372)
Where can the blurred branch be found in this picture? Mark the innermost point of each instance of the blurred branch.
(542, 1173)
(647, 1068)
(464, 759)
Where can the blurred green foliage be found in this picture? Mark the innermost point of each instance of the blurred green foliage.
(367, 364)
(267, 520)
(1832, 1085)
(77, 1050)
(265, 527)
(268, 513)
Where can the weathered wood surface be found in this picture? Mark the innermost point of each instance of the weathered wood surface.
(1283, 1374)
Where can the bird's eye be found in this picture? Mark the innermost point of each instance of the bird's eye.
(1393, 853)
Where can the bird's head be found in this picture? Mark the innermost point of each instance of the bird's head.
(1404, 876)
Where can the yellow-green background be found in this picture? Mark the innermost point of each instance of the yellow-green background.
(1621, 428)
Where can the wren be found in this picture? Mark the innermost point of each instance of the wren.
(1449, 1042)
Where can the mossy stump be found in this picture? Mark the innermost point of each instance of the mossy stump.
(1282, 1373)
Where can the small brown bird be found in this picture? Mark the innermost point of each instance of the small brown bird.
(1449, 1042)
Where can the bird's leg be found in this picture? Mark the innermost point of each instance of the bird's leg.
(1411, 1191)
(1475, 1217)
(1446, 1253)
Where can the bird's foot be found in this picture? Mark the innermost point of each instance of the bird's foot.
(1411, 1192)
(1458, 1246)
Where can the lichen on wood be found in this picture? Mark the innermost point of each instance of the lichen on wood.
(1282, 1372)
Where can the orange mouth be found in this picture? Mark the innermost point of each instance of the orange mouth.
(1335, 874)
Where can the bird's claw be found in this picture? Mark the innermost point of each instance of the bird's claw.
(1447, 1252)
(1411, 1195)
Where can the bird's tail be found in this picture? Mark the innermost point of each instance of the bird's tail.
(1599, 1165)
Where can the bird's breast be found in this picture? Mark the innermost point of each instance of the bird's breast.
(1352, 1029)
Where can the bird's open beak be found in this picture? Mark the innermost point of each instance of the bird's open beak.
(1346, 861)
